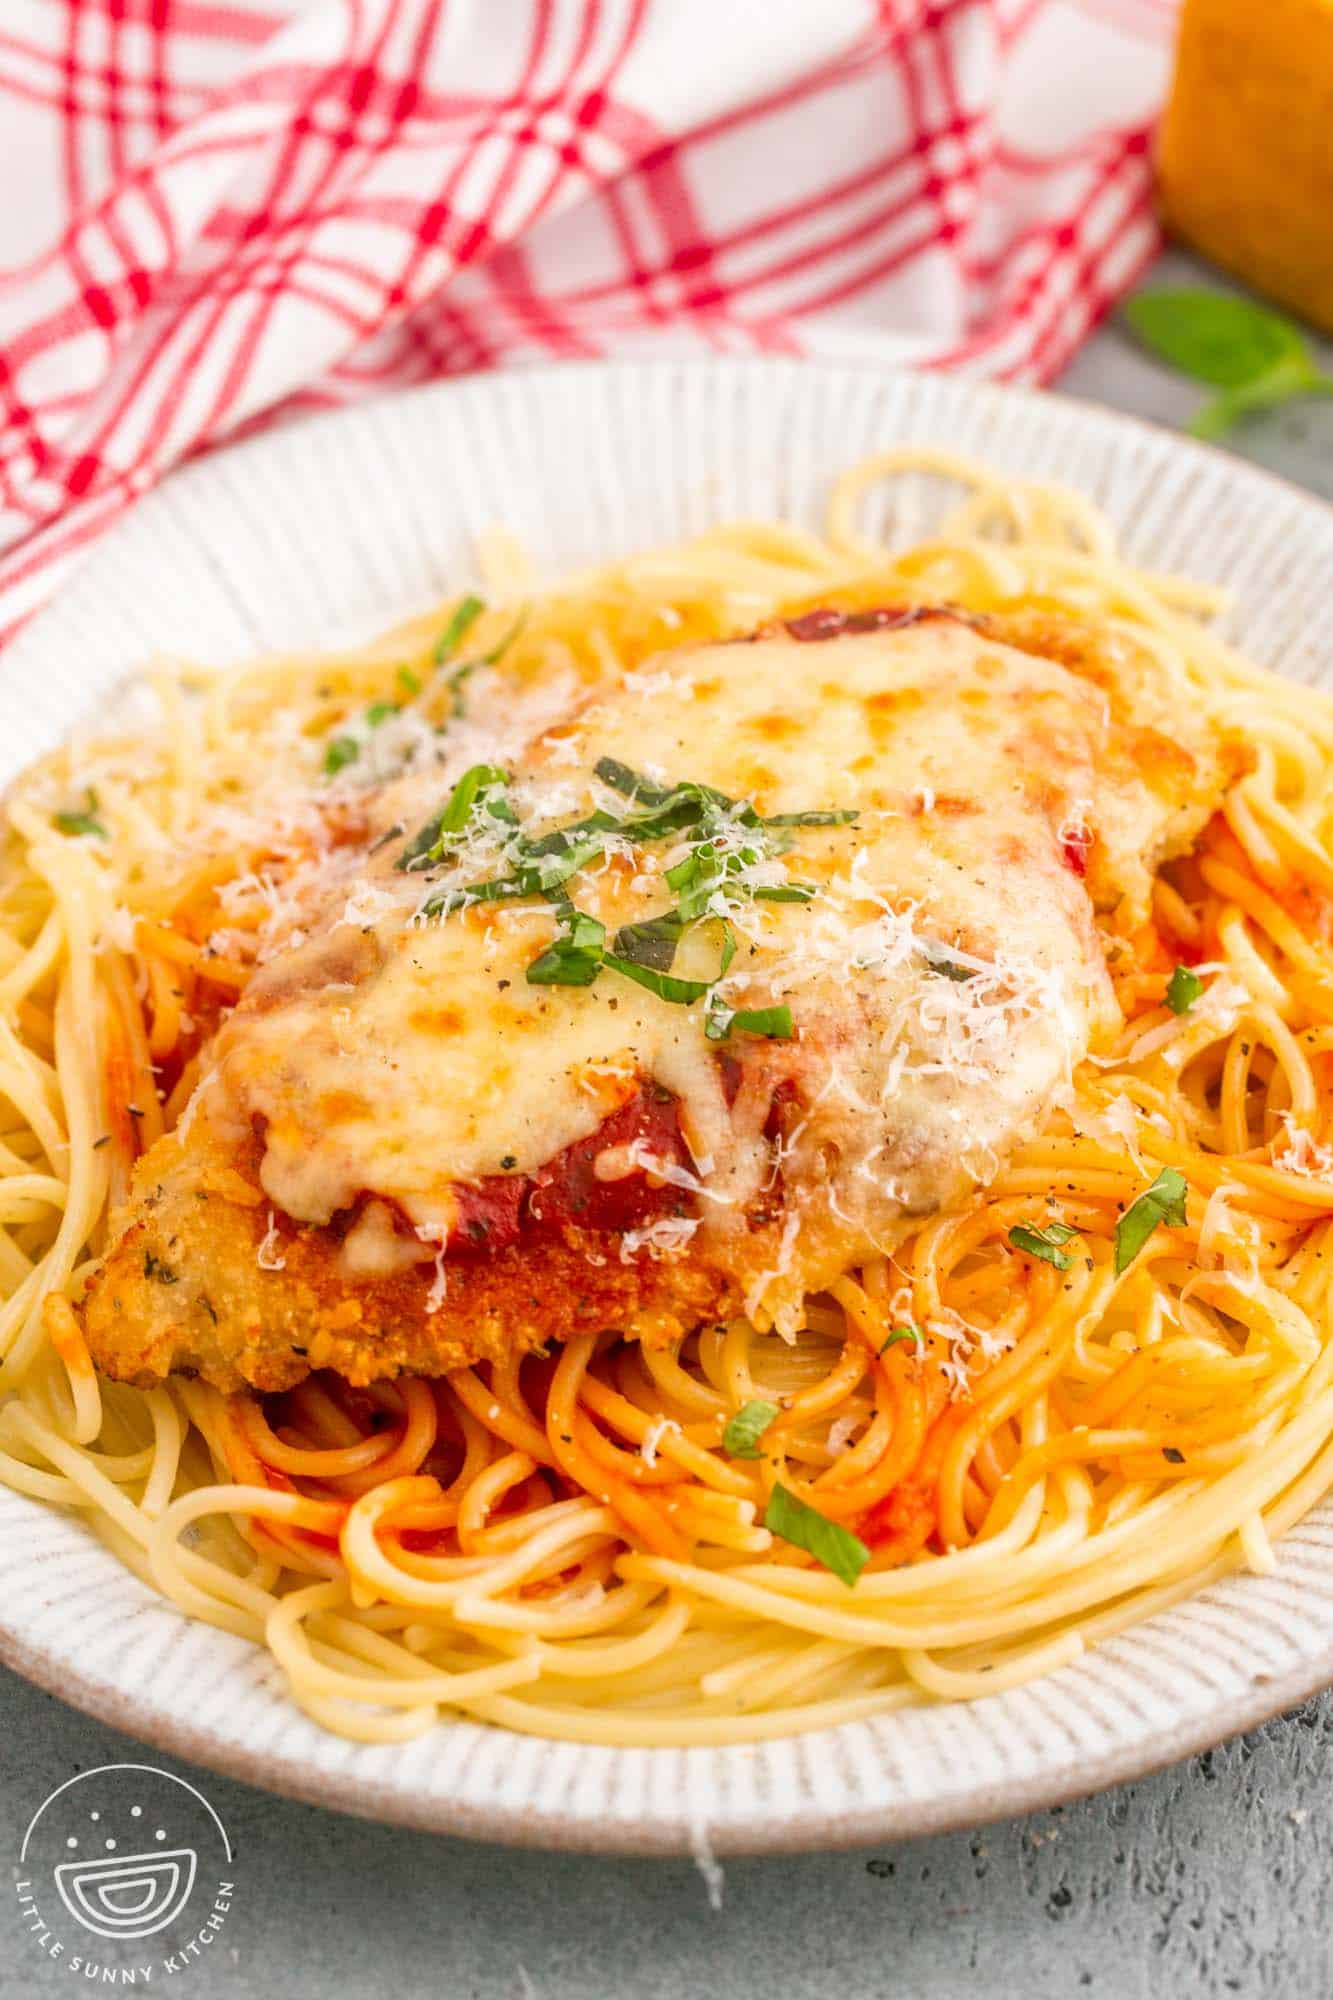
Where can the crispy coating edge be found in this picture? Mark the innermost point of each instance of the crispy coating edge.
(182, 1291)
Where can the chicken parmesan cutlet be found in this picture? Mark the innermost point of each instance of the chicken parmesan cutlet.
(728, 978)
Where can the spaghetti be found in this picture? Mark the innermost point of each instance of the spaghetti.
(1033, 1439)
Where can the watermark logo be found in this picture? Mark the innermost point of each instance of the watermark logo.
(124, 1875)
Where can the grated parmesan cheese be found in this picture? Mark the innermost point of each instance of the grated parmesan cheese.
(667, 1236)
(1299, 1152)
(268, 1256)
(653, 1436)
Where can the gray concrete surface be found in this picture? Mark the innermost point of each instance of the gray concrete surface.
(1208, 1880)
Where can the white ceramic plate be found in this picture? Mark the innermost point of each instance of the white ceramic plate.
(347, 521)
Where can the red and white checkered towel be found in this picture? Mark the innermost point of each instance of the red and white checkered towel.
(215, 212)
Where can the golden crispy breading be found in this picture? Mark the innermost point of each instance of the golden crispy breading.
(1158, 755)
(406, 1155)
(185, 1291)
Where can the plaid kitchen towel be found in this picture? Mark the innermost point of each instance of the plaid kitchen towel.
(216, 212)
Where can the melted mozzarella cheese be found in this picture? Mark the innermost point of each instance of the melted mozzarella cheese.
(943, 981)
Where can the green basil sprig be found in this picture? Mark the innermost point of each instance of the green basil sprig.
(836, 1547)
(740, 1438)
(85, 822)
(1183, 989)
(643, 952)
(1044, 1243)
(1253, 357)
(1163, 1202)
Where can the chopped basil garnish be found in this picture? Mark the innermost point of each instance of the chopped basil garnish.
(708, 880)
(812, 819)
(551, 866)
(664, 984)
(542, 875)
(346, 749)
(1183, 989)
(1044, 1243)
(773, 1022)
(86, 821)
(741, 1437)
(461, 620)
(462, 674)
(421, 843)
(652, 943)
(480, 785)
(631, 783)
(574, 957)
(1163, 1202)
(684, 804)
(680, 992)
(566, 837)
(338, 752)
(706, 871)
(836, 1547)
(910, 1332)
(948, 968)
(787, 892)
(503, 889)
(409, 682)
(482, 782)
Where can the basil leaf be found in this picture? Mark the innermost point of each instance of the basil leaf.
(682, 809)
(949, 968)
(812, 819)
(910, 1332)
(706, 873)
(564, 837)
(631, 783)
(665, 985)
(461, 675)
(1253, 356)
(408, 681)
(1163, 1202)
(1215, 336)
(646, 951)
(684, 874)
(652, 943)
(574, 957)
(1183, 989)
(502, 889)
(1287, 379)
(453, 816)
(1044, 1243)
(346, 749)
(681, 805)
(461, 620)
(87, 822)
(836, 1547)
(773, 1022)
(547, 870)
(788, 892)
(741, 1437)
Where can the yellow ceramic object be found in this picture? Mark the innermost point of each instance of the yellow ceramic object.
(1245, 159)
